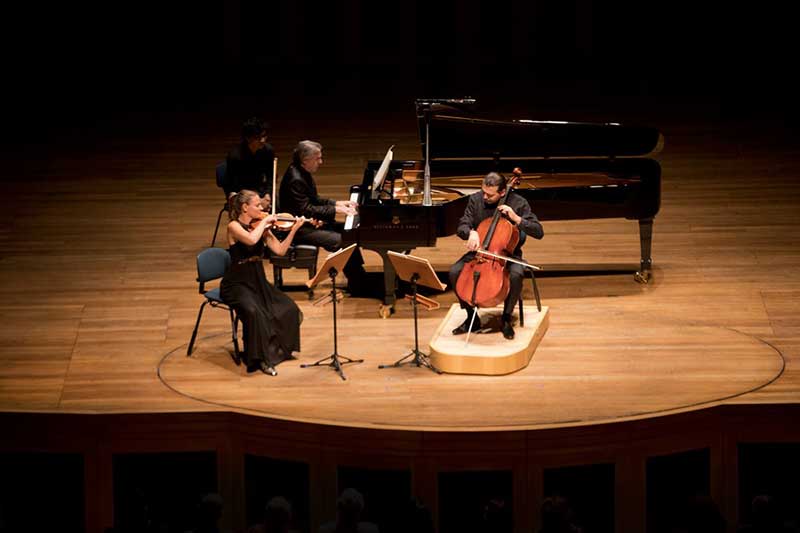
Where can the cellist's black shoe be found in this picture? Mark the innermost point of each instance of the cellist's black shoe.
(464, 327)
(507, 329)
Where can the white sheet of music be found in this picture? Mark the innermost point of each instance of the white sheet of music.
(377, 182)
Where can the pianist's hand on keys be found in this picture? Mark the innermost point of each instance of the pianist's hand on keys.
(348, 223)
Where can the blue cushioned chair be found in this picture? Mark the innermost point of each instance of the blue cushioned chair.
(211, 265)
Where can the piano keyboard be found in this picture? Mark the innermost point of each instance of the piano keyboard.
(350, 221)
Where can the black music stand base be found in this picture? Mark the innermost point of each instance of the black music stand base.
(420, 358)
(334, 360)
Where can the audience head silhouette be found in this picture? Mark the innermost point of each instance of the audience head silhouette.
(277, 515)
(557, 516)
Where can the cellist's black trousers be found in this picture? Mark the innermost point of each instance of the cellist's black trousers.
(516, 273)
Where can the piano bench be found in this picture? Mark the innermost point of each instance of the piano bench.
(297, 256)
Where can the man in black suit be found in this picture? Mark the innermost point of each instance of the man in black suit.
(298, 195)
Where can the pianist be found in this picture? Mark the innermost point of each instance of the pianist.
(482, 205)
(298, 196)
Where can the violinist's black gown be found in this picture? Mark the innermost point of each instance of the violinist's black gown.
(270, 319)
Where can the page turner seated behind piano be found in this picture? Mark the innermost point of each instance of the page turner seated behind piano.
(249, 165)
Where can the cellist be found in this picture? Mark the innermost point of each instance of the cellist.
(518, 211)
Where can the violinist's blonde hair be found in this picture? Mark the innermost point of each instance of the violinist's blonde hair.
(238, 201)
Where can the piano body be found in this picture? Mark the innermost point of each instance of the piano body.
(571, 171)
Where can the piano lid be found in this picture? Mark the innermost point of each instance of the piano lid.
(453, 135)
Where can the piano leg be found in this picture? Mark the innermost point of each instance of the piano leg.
(389, 280)
(645, 239)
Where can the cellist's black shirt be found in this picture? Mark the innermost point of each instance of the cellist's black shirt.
(477, 211)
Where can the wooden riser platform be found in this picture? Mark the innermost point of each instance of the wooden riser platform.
(487, 353)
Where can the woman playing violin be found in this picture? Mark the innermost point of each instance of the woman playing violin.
(270, 319)
(517, 211)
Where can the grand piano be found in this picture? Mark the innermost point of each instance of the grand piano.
(571, 171)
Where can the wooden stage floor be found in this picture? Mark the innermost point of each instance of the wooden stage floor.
(97, 274)
(589, 369)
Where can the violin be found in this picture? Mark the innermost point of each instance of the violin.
(284, 222)
(484, 281)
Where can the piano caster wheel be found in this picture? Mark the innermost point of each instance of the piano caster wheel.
(643, 277)
(385, 311)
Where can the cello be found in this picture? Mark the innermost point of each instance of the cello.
(484, 281)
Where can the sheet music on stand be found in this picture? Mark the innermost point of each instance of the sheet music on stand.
(407, 266)
(336, 261)
(380, 176)
(417, 271)
(332, 266)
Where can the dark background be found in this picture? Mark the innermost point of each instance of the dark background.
(72, 65)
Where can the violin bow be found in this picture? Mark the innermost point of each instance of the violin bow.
(274, 173)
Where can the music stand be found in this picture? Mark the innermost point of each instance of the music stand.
(333, 264)
(415, 270)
